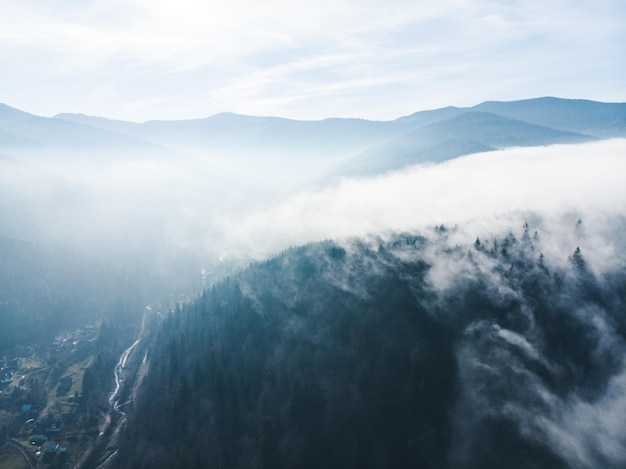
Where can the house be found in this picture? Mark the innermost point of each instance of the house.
(37, 439)
(26, 408)
(51, 448)
(50, 452)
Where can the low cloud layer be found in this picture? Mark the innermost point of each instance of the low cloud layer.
(246, 211)
(557, 179)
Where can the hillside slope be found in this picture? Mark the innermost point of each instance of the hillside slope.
(464, 134)
(415, 351)
(575, 115)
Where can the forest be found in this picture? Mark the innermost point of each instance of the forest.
(405, 350)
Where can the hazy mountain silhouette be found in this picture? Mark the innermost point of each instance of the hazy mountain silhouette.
(10, 115)
(463, 134)
(227, 130)
(406, 151)
(422, 118)
(25, 135)
(233, 133)
(577, 115)
(433, 135)
(10, 140)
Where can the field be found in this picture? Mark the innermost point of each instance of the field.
(10, 458)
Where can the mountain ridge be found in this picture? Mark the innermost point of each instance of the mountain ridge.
(4, 108)
(464, 134)
(578, 115)
(337, 143)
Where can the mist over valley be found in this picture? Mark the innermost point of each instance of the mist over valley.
(445, 289)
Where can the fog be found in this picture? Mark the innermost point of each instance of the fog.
(515, 376)
(251, 209)
(482, 189)
(127, 203)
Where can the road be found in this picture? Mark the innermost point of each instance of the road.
(32, 462)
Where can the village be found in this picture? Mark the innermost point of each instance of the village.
(46, 419)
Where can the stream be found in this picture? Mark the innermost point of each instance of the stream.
(114, 397)
(118, 372)
(119, 368)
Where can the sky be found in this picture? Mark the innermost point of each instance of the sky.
(160, 59)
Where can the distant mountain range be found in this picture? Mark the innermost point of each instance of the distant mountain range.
(350, 146)
(466, 133)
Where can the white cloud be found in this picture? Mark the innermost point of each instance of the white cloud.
(557, 179)
(302, 59)
(246, 211)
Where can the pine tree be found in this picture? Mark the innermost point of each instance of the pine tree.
(578, 260)
(526, 242)
(494, 248)
(579, 225)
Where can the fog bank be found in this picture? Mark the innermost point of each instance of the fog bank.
(581, 179)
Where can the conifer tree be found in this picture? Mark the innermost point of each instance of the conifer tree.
(541, 262)
(578, 259)
(526, 242)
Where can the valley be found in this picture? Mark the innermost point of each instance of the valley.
(58, 407)
(445, 289)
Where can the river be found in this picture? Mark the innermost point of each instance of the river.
(119, 368)
(118, 372)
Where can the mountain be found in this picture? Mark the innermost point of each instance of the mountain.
(494, 130)
(422, 118)
(463, 134)
(413, 351)
(238, 134)
(45, 290)
(24, 135)
(328, 141)
(10, 115)
(11, 141)
(576, 115)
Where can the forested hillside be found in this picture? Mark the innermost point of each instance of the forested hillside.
(48, 289)
(409, 351)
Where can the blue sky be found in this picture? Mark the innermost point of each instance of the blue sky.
(161, 59)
